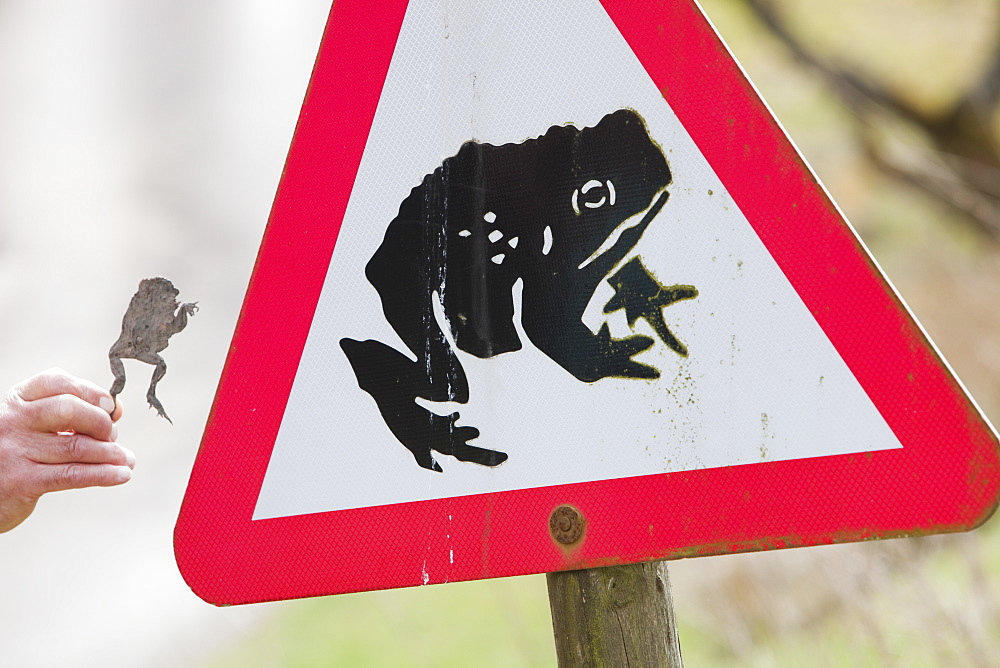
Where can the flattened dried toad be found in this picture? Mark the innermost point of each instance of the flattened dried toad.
(153, 316)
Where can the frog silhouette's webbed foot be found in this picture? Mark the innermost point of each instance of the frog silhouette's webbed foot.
(426, 431)
(395, 381)
(642, 296)
(614, 356)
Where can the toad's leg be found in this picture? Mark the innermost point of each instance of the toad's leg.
(158, 373)
(180, 320)
(118, 369)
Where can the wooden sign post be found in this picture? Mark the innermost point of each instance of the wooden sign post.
(615, 616)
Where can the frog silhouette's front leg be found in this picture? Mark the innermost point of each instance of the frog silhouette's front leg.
(588, 356)
(553, 306)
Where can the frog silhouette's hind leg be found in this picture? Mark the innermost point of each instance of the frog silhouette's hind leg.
(158, 373)
(395, 381)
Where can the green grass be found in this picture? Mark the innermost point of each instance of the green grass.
(487, 623)
(915, 610)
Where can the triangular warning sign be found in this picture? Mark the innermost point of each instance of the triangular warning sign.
(532, 254)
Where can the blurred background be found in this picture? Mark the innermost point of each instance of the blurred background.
(143, 139)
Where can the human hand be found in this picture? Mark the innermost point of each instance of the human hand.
(56, 433)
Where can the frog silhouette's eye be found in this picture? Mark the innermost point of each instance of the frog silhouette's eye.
(605, 194)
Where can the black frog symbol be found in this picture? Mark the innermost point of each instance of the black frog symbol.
(559, 212)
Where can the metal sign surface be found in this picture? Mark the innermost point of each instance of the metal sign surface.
(545, 286)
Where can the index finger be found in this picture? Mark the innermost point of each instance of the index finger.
(68, 413)
(54, 382)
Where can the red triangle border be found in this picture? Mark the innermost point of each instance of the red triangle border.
(945, 478)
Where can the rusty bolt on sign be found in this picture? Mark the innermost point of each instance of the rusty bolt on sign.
(566, 525)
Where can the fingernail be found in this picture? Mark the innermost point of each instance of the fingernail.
(107, 404)
(124, 473)
(114, 432)
(129, 457)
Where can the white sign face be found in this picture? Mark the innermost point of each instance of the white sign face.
(760, 381)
